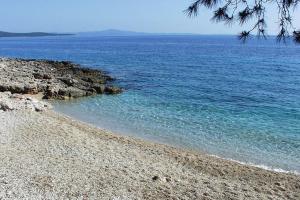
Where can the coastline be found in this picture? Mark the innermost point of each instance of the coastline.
(195, 151)
(49, 155)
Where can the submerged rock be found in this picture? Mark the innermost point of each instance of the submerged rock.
(112, 90)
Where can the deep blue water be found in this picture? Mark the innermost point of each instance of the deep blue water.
(207, 93)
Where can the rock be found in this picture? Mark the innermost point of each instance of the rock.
(9, 102)
(155, 178)
(52, 93)
(71, 92)
(3, 88)
(41, 76)
(16, 88)
(91, 90)
(49, 93)
(88, 79)
(47, 76)
(68, 81)
(5, 106)
(112, 90)
(38, 108)
(100, 89)
(168, 179)
(277, 184)
(37, 76)
(16, 96)
(30, 89)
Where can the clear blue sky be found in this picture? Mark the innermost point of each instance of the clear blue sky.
(93, 15)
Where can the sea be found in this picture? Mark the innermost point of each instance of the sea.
(212, 94)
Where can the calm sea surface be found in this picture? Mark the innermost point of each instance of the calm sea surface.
(207, 93)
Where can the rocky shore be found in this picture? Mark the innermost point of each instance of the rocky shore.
(54, 79)
(10, 102)
(46, 155)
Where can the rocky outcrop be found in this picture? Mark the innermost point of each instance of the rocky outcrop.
(56, 80)
(10, 102)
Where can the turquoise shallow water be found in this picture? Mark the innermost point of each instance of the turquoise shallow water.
(207, 93)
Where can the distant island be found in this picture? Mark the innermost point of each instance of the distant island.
(33, 34)
(109, 32)
(103, 33)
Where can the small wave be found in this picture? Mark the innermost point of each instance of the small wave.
(261, 166)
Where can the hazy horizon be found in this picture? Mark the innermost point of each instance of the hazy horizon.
(132, 15)
(133, 31)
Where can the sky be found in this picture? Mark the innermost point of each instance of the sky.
(154, 16)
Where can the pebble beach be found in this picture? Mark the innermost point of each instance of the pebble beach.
(47, 155)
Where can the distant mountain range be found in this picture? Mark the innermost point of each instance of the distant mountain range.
(33, 34)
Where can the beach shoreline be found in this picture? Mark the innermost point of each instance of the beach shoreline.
(51, 153)
(172, 145)
(48, 155)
